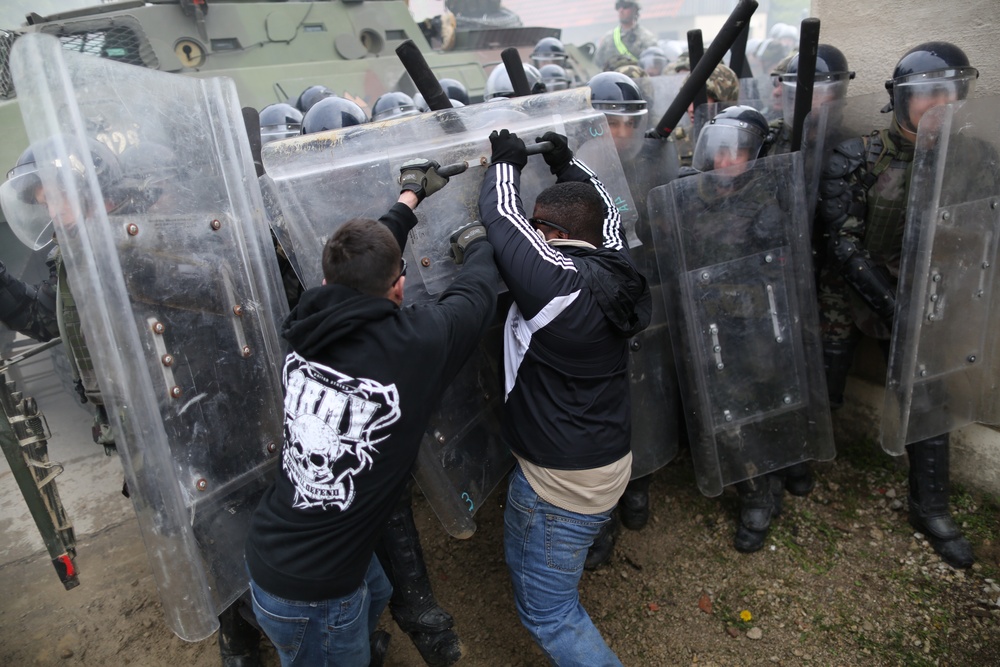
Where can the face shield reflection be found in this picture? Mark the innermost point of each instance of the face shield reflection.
(628, 131)
(271, 133)
(913, 95)
(725, 147)
(827, 88)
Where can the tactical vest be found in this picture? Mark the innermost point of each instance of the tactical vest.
(886, 183)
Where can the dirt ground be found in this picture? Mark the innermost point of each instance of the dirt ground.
(843, 580)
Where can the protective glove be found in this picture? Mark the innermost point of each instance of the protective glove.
(421, 177)
(463, 237)
(507, 147)
(559, 157)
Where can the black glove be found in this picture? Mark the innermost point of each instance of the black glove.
(421, 177)
(463, 237)
(559, 157)
(507, 147)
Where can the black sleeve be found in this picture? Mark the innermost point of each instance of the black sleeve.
(30, 310)
(400, 219)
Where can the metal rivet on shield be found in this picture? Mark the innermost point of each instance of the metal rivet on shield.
(971, 358)
(635, 345)
(923, 372)
(132, 229)
(238, 310)
(158, 327)
(439, 436)
(713, 329)
(768, 258)
(425, 262)
(216, 225)
(201, 484)
(946, 216)
(786, 399)
(986, 265)
(931, 316)
(271, 448)
(934, 297)
(720, 365)
(246, 350)
(167, 359)
(728, 415)
(705, 276)
(779, 339)
(993, 204)
(936, 277)
(175, 392)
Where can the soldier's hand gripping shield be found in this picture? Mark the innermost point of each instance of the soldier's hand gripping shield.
(733, 251)
(944, 362)
(178, 292)
(323, 180)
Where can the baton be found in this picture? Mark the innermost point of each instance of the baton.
(450, 170)
(696, 51)
(699, 75)
(805, 77)
(515, 70)
(423, 77)
(738, 56)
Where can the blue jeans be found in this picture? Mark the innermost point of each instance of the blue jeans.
(330, 632)
(545, 547)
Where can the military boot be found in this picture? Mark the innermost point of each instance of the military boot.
(837, 359)
(633, 508)
(929, 494)
(799, 480)
(239, 640)
(604, 545)
(413, 605)
(760, 501)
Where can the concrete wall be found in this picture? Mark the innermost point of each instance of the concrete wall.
(873, 36)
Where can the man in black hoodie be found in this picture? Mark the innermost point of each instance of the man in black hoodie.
(361, 382)
(577, 299)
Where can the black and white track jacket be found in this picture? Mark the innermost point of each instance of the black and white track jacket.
(565, 340)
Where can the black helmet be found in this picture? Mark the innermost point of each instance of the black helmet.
(554, 77)
(615, 93)
(548, 50)
(455, 90)
(832, 77)
(938, 69)
(653, 60)
(392, 105)
(738, 130)
(332, 113)
(498, 83)
(311, 96)
(57, 156)
(279, 121)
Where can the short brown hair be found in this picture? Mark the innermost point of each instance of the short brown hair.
(576, 206)
(363, 255)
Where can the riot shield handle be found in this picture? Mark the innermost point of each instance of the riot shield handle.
(805, 77)
(450, 170)
(699, 75)
(515, 70)
(539, 148)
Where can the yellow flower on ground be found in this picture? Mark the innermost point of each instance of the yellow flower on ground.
(746, 616)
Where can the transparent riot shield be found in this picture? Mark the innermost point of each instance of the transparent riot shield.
(733, 251)
(659, 92)
(461, 460)
(944, 362)
(176, 285)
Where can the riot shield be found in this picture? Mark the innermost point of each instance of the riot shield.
(944, 362)
(733, 252)
(461, 459)
(659, 92)
(178, 294)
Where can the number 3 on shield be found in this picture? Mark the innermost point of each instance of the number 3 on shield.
(596, 132)
(467, 498)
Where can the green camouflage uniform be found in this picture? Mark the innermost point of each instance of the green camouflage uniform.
(636, 39)
(724, 87)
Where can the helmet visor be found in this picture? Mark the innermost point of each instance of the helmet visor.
(914, 94)
(827, 88)
(628, 132)
(269, 133)
(540, 60)
(725, 147)
(29, 220)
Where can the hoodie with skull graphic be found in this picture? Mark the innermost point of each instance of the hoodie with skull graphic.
(361, 383)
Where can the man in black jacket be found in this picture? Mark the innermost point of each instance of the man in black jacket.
(577, 299)
(361, 382)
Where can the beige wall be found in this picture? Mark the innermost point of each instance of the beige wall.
(874, 34)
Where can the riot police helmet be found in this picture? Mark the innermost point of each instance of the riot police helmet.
(548, 50)
(279, 121)
(615, 93)
(311, 96)
(498, 83)
(653, 60)
(393, 105)
(734, 137)
(554, 77)
(935, 72)
(830, 83)
(59, 160)
(332, 113)
(455, 90)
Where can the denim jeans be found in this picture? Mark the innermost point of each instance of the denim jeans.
(545, 547)
(330, 632)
